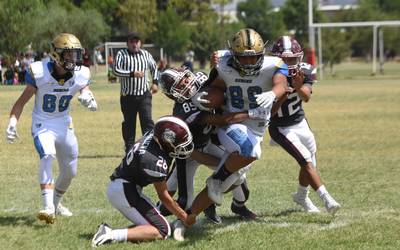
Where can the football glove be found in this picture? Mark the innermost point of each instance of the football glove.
(11, 132)
(265, 99)
(260, 113)
(198, 101)
(86, 98)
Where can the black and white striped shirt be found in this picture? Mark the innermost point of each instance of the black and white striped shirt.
(127, 62)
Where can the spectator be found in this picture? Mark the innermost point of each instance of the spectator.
(9, 75)
(188, 63)
(86, 59)
(131, 66)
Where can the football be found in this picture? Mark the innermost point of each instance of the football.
(216, 97)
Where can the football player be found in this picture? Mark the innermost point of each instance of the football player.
(290, 129)
(146, 162)
(180, 85)
(250, 80)
(54, 82)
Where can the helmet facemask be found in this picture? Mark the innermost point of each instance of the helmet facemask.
(182, 151)
(70, 59)
(67, 52)
(181, 85)
(247, 43)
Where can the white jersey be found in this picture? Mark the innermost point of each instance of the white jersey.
(52, 100)
(241, 90)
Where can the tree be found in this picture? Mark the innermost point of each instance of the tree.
(295, 15)
(335, 47)
(259, 15)
(172, 34)
(139, 15)
(18, 20)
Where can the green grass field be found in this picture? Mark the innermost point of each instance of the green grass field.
(356, 120)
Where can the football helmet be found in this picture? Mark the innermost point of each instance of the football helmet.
(174, 137)
(289, 50)
(67, 51)
(247, 42)
(180, 84)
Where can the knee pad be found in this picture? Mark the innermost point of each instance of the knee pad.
(241, 193)
(45, 170)
(68, 171)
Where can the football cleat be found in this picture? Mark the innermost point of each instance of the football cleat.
(178, 230)
(102, 236)
(330, 204)
(214, 190)
(63, 211)
(306, 203)
(211, 214)
(47, 215)
(243, 211)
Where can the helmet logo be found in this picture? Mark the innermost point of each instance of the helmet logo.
(169, 136)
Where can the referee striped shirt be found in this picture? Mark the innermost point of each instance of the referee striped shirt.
(127, 62)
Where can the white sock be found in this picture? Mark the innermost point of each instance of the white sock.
(47, 198)
(302, 191)
(57, 197)
(119, 234)
(321, 191)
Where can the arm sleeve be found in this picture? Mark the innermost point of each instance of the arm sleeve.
(153, 68)
(29, 79)
(119, 65)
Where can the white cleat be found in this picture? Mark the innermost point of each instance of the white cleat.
(102, 236)
(306, 203)
(47, 215)
(330, 204)
(214, 190)
(63, 211)
(179, 230)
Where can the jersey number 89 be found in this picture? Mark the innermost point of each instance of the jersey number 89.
(237, 100)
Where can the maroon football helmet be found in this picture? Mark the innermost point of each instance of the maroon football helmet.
(289, 50)
(179, 84)
(174, 137)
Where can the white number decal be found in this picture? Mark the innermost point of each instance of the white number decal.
(162, 163)
(201, 77)
(292, 107)
(188, 106)
(129, 155)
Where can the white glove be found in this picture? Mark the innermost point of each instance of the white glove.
(11, 131)
(260, 113)
(86, 98)
(198, 100)
(265, 99)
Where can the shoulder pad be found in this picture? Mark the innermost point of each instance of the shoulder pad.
(36, 69)
(310, 72)
(82, 76)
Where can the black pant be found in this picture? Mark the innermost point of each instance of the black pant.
(130, 106)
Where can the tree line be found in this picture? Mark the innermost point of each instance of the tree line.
(179, 25)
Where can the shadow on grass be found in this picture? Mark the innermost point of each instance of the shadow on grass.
(99, 156)
(20, 221)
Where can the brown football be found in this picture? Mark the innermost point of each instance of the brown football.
(216, 97)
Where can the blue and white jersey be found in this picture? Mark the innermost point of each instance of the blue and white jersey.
(241, 90)
(52, 99)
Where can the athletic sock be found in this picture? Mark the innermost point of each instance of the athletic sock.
(302, 191)
(47, 198)
(57, 197)
(321, 191)
(222, 173)
(119, 234)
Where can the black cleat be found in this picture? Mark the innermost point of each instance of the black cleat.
(243, 211)
(211, 214)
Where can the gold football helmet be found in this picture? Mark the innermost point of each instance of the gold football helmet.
(246, 43)
(67, 51)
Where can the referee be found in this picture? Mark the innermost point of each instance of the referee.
(131, 66)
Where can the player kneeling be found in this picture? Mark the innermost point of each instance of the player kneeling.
(147, 162)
